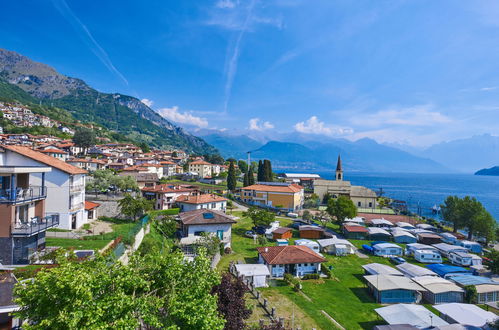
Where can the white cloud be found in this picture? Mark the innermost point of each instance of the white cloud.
(254, 125)
(182, 117)
(147, 102)
(225, 4)
(488, 89)
(412, 116)
(314, 126)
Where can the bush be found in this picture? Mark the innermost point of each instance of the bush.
(297, 286)
(327, 271)
(311, 277)
(86, 226)
(290, 279)
(262, 240)
(228, 250)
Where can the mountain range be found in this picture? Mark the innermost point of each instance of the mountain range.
(28, 81)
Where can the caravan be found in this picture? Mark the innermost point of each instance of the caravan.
(460, 258)
(471, 246)
(428, 256)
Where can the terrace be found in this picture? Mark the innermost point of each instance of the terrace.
(35, 225)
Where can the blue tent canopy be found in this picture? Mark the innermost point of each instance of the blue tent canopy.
(442, 269)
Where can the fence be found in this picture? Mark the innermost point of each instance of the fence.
(264, 303)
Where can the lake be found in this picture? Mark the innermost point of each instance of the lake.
(429, 189)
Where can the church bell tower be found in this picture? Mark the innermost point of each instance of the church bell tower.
(339, 170)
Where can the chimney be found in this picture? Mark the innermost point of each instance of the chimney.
(266, 250)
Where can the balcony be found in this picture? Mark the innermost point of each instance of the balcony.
(76, 207)
(21, 195)
(35, 226)
(76, 188)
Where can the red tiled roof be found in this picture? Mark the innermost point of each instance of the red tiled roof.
(91, 205)
(292, 254)
(198, 217)
(282, 230)
(199, 162)
(167, 188)
(293, 188)
(45, 159)
(53, 150)
(355, 229)
(200, 199)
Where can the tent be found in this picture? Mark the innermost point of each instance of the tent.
(465, 314)
(415, 315)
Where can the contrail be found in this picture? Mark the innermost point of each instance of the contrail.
(87, 37)
(232, 64)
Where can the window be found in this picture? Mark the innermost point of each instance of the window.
(213, 205)
(359, 204)
(220, 234)
(370, 204)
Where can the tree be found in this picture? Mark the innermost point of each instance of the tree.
(323, 218)
(493, 255)
(84, 138)
(231, 177)
(451, 212)
(341, 208)
(231, 302)
(245, 180)
(267, 171)
(326, 198)
(260, 217)
(243, 166)
(230, 205)
(134, 207)
(312, 201)
(383, 202)
(125, 183)
(152, 291)
(260, 174)
(166, 226)
(470, 294)
(174, 154)
(144, 147)
(307, 215)
(251, 177)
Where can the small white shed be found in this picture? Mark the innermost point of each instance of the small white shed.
(255, 273)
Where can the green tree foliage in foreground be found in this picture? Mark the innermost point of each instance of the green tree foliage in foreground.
(134, 207)
(259, 217)
(469, 214)
(341, 208)
(153, 291)
(494, 265)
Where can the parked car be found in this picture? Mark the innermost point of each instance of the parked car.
(397, 260)
(250, 234)
(259, 230)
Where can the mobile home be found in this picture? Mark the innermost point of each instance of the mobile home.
(387, 249)
(471, 246)
(314, 246)
(460, 258)
(446, 249)
(428, 256)
(448, 238)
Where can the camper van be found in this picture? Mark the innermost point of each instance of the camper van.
(428, 256)
(314, 246)
(460, 258)
(471, 246)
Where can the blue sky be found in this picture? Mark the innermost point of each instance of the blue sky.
(410, 72)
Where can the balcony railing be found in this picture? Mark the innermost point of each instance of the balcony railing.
(76, 188)
(76, 207)
(20, 195)
(35, 225)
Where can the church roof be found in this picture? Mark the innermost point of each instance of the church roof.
(338, 165)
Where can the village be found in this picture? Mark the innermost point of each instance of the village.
(312, 253)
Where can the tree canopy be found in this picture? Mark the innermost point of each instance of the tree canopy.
(231, 302)
(341, 208)
(231, 177)
(84, 137)
(134, 207)
(260, 217)
(153, 291)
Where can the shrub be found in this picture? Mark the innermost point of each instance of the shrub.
(311, 277)
(297, 286)
(262, 240)
(228, 250)
(86, 226)
(327, 271)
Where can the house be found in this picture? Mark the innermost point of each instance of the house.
(314, 246)
(411, 270)
(202, 168)
(460, 258)
(197, 222)
(393, 289)
(487, 289)
(468, 314)
(445, 249)
(416, 316)
(448, 238)
(165, 196)
(446, 271)
(403, 236)
(91, 210)
(362, 197)
(313, 232)
(296, 260)
(23, 220)
(387, 249)
(355, 232)
(256, 274)
(282, 233)
(428, 256)
(378, 234)
(65, 184)
(7, 305)
(380, 269)
(90, 165)
(204, 201)
(56, 153)
(336, 246)
(474, 247)
(143, 179)
(427, 238)
(439, 290)
(288, 197)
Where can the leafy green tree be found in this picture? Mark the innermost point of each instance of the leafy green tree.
(324, 218)
(84, 138)
(326, 198)
(470, 294)
(152, 291)
(144, 147)
(260, 217)
(134, 207)
(267, 171)
(312, 201)
(243, 166)
(125, 183)
(166, 226)
(451, 212)
(341, 208)
(251, 177)
(383, 202)
(494, 265)
(307, 215)
(261, 172)
(245, 180)
(231, 177)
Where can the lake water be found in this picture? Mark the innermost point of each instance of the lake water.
(427, 190)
